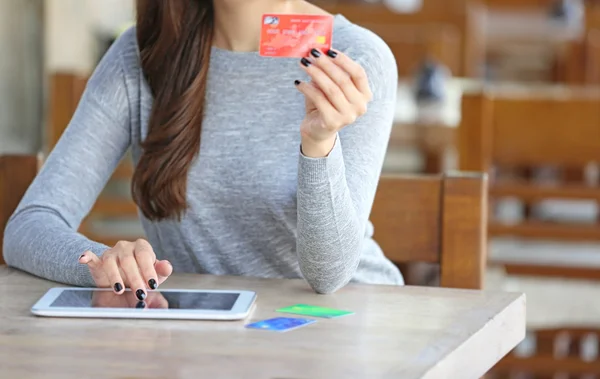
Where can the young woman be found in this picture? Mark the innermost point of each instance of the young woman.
(245, 165)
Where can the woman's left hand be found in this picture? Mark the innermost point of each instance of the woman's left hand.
(336, 96)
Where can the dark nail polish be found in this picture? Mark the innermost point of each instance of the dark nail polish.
(315, 53)
(331, 53)
(305, 62)
(297, 82)
(118, 287)
(140, 305)
(152, 283)
(140, 294)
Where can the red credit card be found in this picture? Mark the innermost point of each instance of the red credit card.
(294, 35)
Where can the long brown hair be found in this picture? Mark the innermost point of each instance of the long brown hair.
(175, 39)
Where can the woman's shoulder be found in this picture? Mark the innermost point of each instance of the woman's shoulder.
(126, 49)
(119, 64)
(121, 60)
(119, 69)
(369, 50)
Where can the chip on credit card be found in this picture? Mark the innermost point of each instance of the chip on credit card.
(294, 35)
(281, 324)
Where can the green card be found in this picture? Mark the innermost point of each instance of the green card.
(312, 310)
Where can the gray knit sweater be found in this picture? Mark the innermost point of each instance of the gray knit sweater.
(257, 206)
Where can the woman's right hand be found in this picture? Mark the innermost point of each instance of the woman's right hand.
(128, 264)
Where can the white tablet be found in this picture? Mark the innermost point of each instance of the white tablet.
(162, 304)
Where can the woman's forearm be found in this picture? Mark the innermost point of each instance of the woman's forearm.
(329, 230)
(36, 240)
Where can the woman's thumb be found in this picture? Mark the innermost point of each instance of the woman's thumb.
(90, 259)
(164, 269)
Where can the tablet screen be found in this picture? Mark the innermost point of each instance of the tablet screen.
(155, 299)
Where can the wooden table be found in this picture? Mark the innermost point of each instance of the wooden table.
(397, 332)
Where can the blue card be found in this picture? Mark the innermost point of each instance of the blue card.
(281, 324)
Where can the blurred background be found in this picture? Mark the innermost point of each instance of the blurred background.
(509, 87)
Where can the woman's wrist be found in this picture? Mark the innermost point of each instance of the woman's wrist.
(317, 149)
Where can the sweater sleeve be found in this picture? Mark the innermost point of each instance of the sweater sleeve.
(336, 193)
(41, 236)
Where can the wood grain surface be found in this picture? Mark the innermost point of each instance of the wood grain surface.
(396, 332)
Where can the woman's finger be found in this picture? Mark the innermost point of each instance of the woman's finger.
(111, 269)
(91, 260)
(356, 71)
(340, 77)
(164, 269)
(131, 270)
(328, 113)
(145, 257)
(94, 264)
(332, 91)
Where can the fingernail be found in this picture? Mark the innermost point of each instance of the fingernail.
(140, 305)
(152, 283)
(82, 255)
(305, 62)
(297, 82)
(331, 53)
(140, 294)
(315, 53)
(118, 287)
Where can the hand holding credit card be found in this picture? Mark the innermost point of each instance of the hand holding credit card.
(332, 102)
(294, 35)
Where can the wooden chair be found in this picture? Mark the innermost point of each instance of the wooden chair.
(449, 31)
(519, 4)
(437, 219)
(579, 62)
(66, 91)
(16, 174)
(413, 45)
(557, 353)
(503, 131)
(551, 127)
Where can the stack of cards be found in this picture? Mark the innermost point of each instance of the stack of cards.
(282, 324)
(294, 35)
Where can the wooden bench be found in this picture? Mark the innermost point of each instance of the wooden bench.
(579, 62)
(519, 4)
(413, 45)
(448, 31)
(506, 132)
(503, 130)
(556, 353)
(435, 219)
